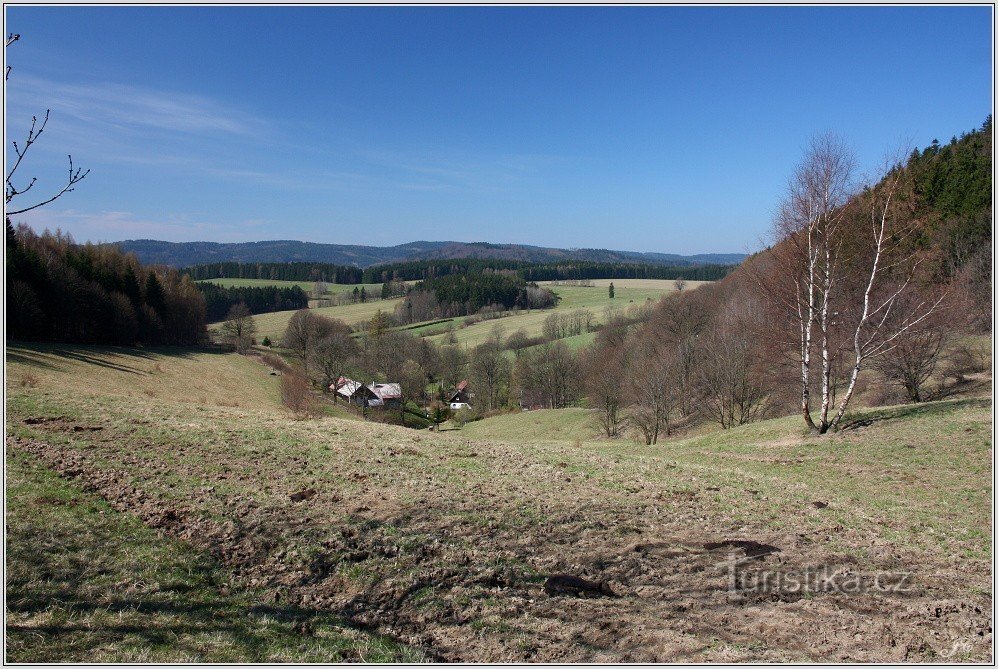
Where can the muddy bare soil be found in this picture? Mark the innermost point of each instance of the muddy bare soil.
(456, 571)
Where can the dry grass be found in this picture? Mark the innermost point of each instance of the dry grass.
(169, 375)
(88, 584)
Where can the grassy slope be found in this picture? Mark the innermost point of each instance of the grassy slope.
(274, 324)
(541, 425)
(88, 584)
(912, 489)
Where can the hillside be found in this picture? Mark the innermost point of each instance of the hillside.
(630, 292)
(445, 542)
(186, 254)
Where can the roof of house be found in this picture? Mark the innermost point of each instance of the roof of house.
(460, 388)
(387, 391)
(346, 387)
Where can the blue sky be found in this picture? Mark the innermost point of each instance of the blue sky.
(652, 129)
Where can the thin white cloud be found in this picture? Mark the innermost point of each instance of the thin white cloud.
(123, 107)
(443, 169)
(105, 226)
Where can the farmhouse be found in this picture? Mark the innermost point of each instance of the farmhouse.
(371, 395)
(354, 392)
(386, 394)
(461, 397)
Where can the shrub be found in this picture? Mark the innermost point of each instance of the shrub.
(464, 416)
(266, 342)
(276, 362)
(296, 395)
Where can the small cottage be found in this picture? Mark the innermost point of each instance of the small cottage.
(461, 397)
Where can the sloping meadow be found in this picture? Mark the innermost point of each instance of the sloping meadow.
(445, 544)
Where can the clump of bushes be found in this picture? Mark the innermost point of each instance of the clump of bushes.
(463, 416)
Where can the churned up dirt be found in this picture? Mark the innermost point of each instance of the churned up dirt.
(524, 560)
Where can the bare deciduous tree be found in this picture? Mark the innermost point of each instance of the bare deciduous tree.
(239, 327)
(809, 225)
(490, 372)
(547, 376)
(331, 357)
(303, 333)
(731, 393)
(652, 384)
(296, 395)
(605, 387)
(453, 365)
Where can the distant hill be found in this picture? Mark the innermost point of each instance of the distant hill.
(186, 254)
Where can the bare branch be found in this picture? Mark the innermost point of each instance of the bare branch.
(75, 177)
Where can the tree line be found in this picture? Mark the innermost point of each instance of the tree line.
(423, 270)
(465, 294)
(61, 291)
(290, 271)
(257, 299)
(598, 270)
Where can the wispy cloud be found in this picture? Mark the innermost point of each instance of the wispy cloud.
(119, 225)
(120, 107)
(455, 169)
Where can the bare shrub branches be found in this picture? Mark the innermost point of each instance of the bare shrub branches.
(74, 176)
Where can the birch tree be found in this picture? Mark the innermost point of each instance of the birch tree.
(845, 268)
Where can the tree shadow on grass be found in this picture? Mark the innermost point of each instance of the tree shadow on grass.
(46, 356)
(247, 633)
(867, 418)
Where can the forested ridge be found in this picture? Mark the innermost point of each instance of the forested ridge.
(93, 294)
(420, 270)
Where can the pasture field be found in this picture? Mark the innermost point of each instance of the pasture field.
(444, 540)
(171, 375)
(627, 292)
(274, 324)
(645, 284)
(595, 298)
(571, 424)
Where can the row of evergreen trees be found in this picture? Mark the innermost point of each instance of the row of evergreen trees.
(258, 299)
(468, 293)
(271, 271)
(600, 270)
(65, 292)
(422, 270)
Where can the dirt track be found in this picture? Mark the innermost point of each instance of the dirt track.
(451, 569)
